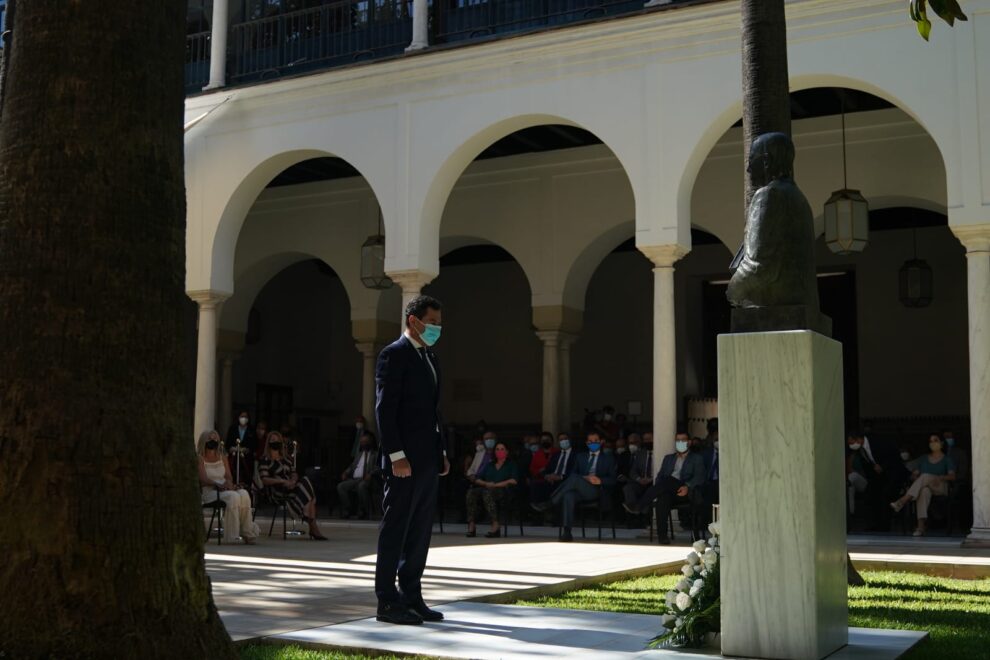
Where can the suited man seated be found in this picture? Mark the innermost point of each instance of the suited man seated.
(593, 477)
(357, 478)
(709, 489)
(560, 465)
(640, 468)
(681, 477)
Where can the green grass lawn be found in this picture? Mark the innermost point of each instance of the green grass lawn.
(955, 612)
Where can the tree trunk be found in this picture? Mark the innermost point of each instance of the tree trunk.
(766, 96)
(102, 534)
(766, 93)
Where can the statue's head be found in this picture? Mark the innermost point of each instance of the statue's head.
(771, 157)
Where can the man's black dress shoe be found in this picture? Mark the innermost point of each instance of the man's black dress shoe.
(541, 506)
(424, 612)
(398, 614)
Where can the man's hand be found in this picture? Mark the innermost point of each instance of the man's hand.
(401, 468)
(593, 480)
(552, 477)
(645, 481)
(446, 467)
(682, 491)
(877, 468)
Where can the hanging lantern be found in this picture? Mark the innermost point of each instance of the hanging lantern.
(373, 260)
(917, 283)
(847, 213)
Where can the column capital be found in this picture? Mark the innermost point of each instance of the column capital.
(976, 238)
(664, 256)
(229, 357)
(207, 298)
(368, 348)
(411, 281)
(558, 318)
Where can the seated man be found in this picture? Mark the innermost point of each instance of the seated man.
(681, 476)
(709, 489)
(593, 472)
(357, 478)
(640, 470)
(880, 465)
(560, 465)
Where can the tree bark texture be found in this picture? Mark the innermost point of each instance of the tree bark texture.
(101, 530)
(766, 92)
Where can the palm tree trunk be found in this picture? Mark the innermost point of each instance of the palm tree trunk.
(766, 93)
(766, 96)
(102, 535)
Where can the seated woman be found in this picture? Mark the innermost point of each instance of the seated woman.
(932, 477)
(279, 477)
(493, 489)
(214, 473)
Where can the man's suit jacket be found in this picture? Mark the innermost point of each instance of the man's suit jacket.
(250, 440)
(709, 454)
(551, 467)
(640, 467)
(692, 472)
(408, 405)
(370, 467)
(604, 469)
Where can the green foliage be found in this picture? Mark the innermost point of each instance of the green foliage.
(948, 10)
(273, 652)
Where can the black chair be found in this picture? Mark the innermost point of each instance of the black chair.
(515, 500)
(601, 507)
(217, 507)
(697, 530)
(278, 503)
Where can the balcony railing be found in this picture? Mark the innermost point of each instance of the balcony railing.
(319, 38)
(197, 61)
(348, 31)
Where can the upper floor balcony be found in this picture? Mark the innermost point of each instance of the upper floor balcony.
(270, 39)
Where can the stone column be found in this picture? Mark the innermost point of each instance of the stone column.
(369, 352)
(977, 242)
(412, 283)
(420, 26)
(551, 379)
(664, 346)
(225, 414)
(564, 398)
(206, 359)
(218, 45)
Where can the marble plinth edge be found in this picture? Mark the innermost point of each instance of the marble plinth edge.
(782, 499)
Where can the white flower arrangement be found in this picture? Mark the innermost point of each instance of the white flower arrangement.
(692, 608)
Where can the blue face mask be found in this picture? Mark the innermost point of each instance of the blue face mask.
(594, 446)
(565, 444)
(489, 443)
(534, 448)
(430, 334)
(949, 442)
(681, 446)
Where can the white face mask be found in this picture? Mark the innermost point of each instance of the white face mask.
(633, 449)
(607, 417)
(856, 446)
(359, 426)
(620, 450)
(905, 456)
(243, 421)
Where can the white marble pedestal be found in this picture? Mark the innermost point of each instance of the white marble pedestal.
(782, 509)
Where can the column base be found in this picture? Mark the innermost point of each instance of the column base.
(413, 47)
(978, 538)
(213, 86)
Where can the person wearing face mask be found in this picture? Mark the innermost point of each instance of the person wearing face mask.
(538, 487)
(561, 465)
(709, 489)
(934, 474)
(408, 381)
(241, 430)
(680, 477)
(875, 471)
(959, 456)
(592, 481)
(640, 469)
(284, 485)
(357, 479)
(260, 435)
(360, 424)
(493, 490)
(215, 479)
(607, 427)
(623, 460)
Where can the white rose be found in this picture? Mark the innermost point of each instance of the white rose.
(671, 598)
(699, 583)
(700, 545)
(668, 620)
(683, 585)
(694, 592)
(693, 558)
(714, 529)
(679, 622)
(698, 569)
(687, 570)
(703, 574)
(683, 601)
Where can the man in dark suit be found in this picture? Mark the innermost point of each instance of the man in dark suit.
(412, 458)
(559, 467)
(357, 478)
(883, 471)
(681, 475)
(592, 480)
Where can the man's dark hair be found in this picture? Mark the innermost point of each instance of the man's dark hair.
(368, 434)
(595, 434)
(855, 432)
(419, 305)
(712, 424)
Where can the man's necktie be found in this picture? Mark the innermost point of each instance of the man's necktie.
(429, 365)
(560, 463)
(714, 471)
(594, 464)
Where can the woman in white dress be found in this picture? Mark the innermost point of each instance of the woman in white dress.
(214, 472)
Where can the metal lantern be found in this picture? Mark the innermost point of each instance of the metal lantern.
(373, 260)
(917, 283)
(847, 213)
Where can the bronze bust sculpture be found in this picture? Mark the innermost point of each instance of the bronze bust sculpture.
(774, 285)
